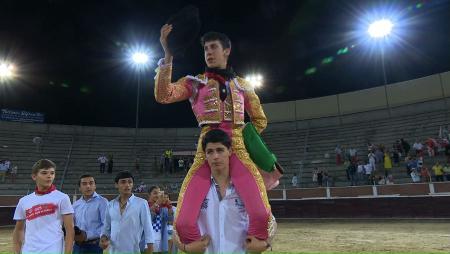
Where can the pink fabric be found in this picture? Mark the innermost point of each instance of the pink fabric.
(208, 95)
(271, 180)
(186, 224)
(248, 191)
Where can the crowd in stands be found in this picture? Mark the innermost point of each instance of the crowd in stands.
(8, 169)
(170, 163)
(375, 166)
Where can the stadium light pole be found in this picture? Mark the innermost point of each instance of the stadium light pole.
(140, 61)
(379, 30)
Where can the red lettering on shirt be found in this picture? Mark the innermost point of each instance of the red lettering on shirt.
(40, 211)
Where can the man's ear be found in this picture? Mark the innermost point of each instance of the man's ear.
(227, 52)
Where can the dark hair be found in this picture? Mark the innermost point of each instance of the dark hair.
(216, 136)
(213, 36)
(152, 188)
(42, 164)
(84, 176)
(122, 175)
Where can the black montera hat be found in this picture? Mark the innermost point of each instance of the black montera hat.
(185, 29)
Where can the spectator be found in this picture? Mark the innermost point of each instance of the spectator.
(162, 213)
(361, 174)
(326, 179)
(338, 152)
(13, 173)
(438, 172)
(390, 179)
(410, 164)
(406, 146)
(387, 164)
(353, 154)
(3, 169)
(370, 147)
(38, 142)
(140, 188)
(368, 170)
(294, 180)
(431, 146)
(181, 164)
(446, 170)
(351, 174)
(419, 162)
(102, 159)
(110, 164)
(127, 225)
(40, 215)
(314, 175)
(398, 147)
(447, 152)
(89, 216)
(381, 180)
(167, 161)
(372, 160)
(425, 175)
(396, 157)
(418, 147)
(415, 176)
(379, 155)
(319, 177)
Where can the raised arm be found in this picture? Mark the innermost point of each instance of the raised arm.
(165, 91)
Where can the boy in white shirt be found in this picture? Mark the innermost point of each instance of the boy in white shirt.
(43, 213)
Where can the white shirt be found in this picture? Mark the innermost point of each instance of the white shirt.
(127, 230)
(102, 159)
(43, 221)
(360, 169)
(3, 167)
(368, 168)
(418, 146)
(294, 180)
(225, 221)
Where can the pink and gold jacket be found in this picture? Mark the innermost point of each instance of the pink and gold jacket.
(203, 94)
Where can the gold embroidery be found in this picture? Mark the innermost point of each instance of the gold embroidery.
(253, 106)
(167, 92)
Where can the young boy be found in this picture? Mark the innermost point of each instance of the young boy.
(223, 219)
(43, 213)
(128, 224)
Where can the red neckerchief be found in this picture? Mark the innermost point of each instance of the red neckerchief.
(52, 188)
(150, 204)
(216, 76)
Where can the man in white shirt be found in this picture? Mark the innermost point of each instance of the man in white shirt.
(418, 147)
(127, 226)
(294, 180)
(3, 170)
(223, 220)
(368, 171)
(102, 159)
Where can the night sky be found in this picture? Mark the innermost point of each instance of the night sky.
(71, 56)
